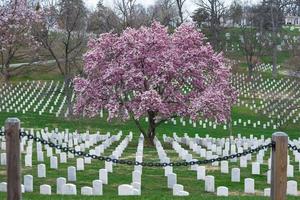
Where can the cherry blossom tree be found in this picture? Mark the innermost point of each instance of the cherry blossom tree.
(16, 22)
(143, 73)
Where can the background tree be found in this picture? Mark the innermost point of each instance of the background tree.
(276, 17)
(16, 23)
(103, 20)
(125, 9)
(180, 4)
(236, 12)
(216, 11)
(63, 35)
(140, 17)
(165, 12)
(251, 45)
(200, 17)
(142, 73)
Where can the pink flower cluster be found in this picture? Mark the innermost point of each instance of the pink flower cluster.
(16, 22)
(145, 70)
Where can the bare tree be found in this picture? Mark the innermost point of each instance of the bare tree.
(140, 16)
(125, 8)
(251, 42)
(165, 12)
(216, 11)
(180, 4)
(236, 12)
(277, 9)
(103, 20)
(63, 35)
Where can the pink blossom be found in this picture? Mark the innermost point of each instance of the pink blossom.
(16, 22)
(145, 70)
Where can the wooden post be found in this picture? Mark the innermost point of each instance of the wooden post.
(12, 132)
(279, 166)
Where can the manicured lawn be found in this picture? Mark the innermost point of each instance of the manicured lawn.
(154, 183)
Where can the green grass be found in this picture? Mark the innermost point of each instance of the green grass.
(154, 185)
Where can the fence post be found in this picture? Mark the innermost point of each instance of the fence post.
(12, 132)
(279, 166)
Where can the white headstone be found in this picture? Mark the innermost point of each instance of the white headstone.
(86, 191)
(210, 184)
(172, 180)
(235, 175)
(71, 173)
(53, 162)
(201, 173)
(97, 187)
(249, 186)
(256, 168)
(28, 161)
(267, 192)
(80, 164)
(3, 159)
(222, 191)
(125, 190)
(137, 186)
(269, 177)
(243, 162)
(60, 183)
(292, 188)
(28, 183)
(136, 176)
(290, 171)
(103, 176)
(3, 187)
(109, 166)
(178, 190)
(69, 189)
(41, 171)
(168, 170)
(224, 167)
(45, 189)
(49, 152)
(40, 156)
(63, 157)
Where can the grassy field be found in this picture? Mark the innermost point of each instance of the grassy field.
(154, 184)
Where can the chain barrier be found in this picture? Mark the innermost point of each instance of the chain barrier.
(294, 148)
(146, 164)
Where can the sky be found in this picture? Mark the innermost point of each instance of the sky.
(189, 5)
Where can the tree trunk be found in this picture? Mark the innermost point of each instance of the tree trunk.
(69, 94)
(250, 71)
(274, 61)
(151, 129)
(6, 74)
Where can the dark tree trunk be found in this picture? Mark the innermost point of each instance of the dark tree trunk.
(6, 74)
(274, 61)
(151, 129)
(250, 71)
(68, 92)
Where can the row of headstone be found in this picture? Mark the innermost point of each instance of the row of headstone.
(65, 188)
(135, 187)
(273, 106)
(239, 144)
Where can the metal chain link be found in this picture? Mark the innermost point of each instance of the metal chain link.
(146, 164)
(294, 148)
